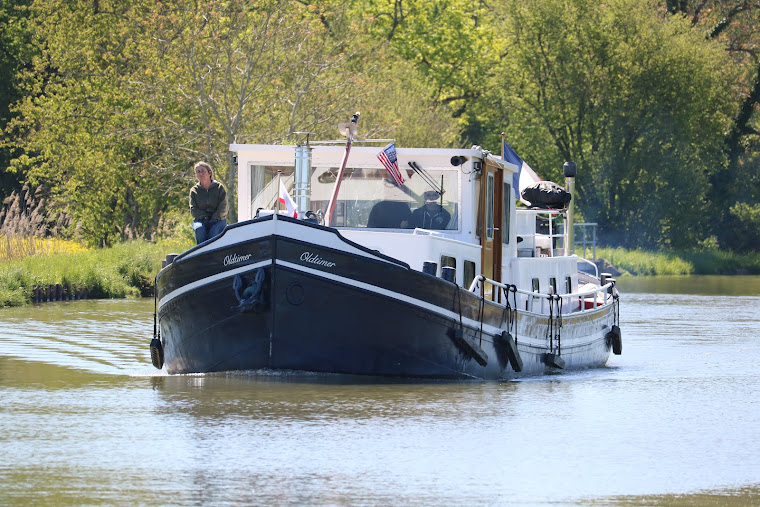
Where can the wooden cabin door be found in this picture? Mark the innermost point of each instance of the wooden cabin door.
(491, 215)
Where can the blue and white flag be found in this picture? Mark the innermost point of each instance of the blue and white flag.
(525, 176)
(388, 158)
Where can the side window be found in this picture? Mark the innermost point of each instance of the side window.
(489, 206)
(264, 179)
(569, 285)
(469, 273)
(553, 285)
(507, 198)
(448, 262)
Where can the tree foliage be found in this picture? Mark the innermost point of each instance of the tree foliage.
(15, 54)
(733, 25)
(111, 102)
(633, 98)
(126, 96)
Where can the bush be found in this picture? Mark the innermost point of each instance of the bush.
(744, 233)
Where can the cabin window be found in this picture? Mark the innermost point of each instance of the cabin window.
(469, 273)
(265, 187)
(368, 197)
(569, 285)
(489, 206)
(505, 206)
(535, 286)
(553, 285)
(448, 262)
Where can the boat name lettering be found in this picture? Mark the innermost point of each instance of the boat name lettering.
(316, 259)
(235, 258)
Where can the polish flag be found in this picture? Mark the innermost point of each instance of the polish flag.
(288, 201)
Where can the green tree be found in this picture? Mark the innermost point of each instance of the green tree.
(81, 131)
(240, 72)
(733, 25)
(126, 96)
(16, 53)
(452, 43)
(636, 100)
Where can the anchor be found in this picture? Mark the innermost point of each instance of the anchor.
(252, 298)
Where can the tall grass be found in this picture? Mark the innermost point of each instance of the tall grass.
(17, 247)
(126, 270)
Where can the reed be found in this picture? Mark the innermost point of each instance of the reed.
(18, 247)
(125, 270)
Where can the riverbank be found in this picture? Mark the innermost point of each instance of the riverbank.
(706, 262)
(129, 269)
(124, 271)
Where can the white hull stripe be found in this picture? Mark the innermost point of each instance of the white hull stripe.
(391, 294)
(340, 279)
(487, 328)
(210, 279)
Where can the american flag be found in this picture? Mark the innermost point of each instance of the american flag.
(388, 158)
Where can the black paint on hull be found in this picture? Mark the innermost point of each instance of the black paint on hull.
(336, 311)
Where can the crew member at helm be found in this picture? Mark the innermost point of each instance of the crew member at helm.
(431, 215)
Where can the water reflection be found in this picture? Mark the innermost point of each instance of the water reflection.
(703, 285)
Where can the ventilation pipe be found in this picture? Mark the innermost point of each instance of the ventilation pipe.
(302, 183)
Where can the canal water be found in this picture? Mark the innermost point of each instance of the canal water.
(85, 419)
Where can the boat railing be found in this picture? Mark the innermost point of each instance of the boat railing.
(593, 266)
(537, 302)
(531, 242)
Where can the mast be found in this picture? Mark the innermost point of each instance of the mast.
(349, 130)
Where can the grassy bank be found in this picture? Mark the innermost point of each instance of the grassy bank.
(708, 262)
(126, 270)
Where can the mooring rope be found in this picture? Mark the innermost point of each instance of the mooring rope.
(511, 310)
(550, 327)
(560, 305)
(481, 312)
(459, 309)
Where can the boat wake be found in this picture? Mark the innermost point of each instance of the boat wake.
(105, 337)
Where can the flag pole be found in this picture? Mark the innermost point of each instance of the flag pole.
(503, 136)
(279, 183)
(350, 131)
